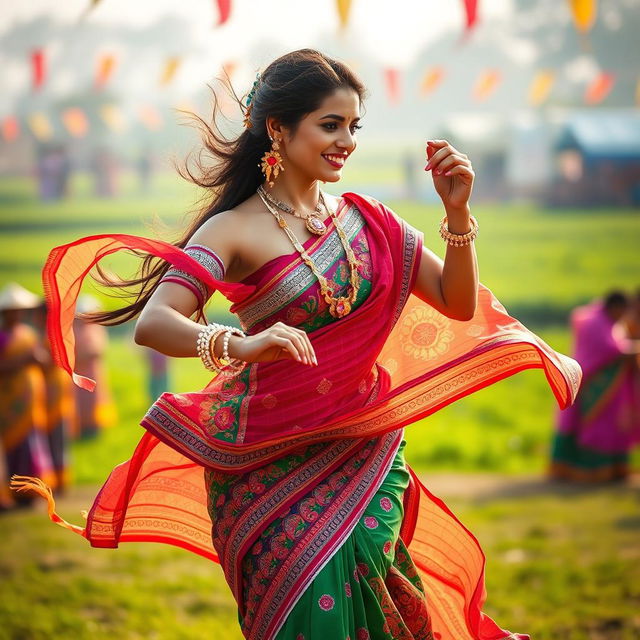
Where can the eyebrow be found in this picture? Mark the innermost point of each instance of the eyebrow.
(335, 116)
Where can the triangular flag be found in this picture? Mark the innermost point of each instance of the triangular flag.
(169, 71)
(76, 122)
(106, 65)
(113, 117)
(392, 80)
(344, 9)
(431, 80)
(486, 84)
(40, 126)
(38, 68)
(150, 117)
(599, 88)
(541, 87)
(584, 14)
(224, 11)
(471, 15)
(10, 128)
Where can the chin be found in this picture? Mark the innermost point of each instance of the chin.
(334, 177)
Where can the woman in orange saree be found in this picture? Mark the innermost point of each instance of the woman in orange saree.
(291, 476)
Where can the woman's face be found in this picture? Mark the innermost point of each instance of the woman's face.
(324, 138)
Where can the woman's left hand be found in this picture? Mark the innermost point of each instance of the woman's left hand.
(452, 174)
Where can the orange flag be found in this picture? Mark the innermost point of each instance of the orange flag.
(541, 87)
(106, 65)
(599, 88)
(224, 11)
(392, 80)
(344, 9)
(150, 117)
(10, 128)
(40, 125)
(38, 67)
(431, 81)
(486, 84)
(584, 14)
(169, 71)
(75, 121)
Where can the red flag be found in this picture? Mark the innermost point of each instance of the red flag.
(392, 78)
(10, 128)
(471, 14)
(37, 63)
(224, 10)
(599, 88)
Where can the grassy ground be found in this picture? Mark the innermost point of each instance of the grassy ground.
(562, 563)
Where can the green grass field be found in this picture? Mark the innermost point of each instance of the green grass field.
(562, 564)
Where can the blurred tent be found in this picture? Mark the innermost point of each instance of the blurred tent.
(597, 160)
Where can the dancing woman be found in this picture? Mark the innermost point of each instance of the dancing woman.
(288, 467)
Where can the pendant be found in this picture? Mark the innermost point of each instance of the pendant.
(315, 225)
(340, 307)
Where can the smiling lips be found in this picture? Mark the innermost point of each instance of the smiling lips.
(335, 160)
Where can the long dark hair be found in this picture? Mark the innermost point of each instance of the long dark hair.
(291, 87)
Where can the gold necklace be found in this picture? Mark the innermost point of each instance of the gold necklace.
(313, 222)
(338, 306)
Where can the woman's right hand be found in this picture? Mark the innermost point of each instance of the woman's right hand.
(278, 342)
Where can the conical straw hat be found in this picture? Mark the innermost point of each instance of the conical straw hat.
(15, 296)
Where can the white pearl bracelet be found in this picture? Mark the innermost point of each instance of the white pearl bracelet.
(203, 343)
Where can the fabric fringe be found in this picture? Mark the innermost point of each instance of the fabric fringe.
(30, 483)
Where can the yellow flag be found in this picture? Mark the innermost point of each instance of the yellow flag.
(40, 124)
(541, 87)
(431, 81)
(113, 117)
(584, 14)
(344, 8)
(169, 71)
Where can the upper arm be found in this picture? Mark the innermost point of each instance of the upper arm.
(212, 245)
(428, 280)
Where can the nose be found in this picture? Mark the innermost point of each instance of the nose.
(347, 141)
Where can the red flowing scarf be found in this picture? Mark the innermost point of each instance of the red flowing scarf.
(400, 354)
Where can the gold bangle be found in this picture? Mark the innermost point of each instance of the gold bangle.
(459, 239)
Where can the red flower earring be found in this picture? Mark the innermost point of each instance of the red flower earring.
(272, 163)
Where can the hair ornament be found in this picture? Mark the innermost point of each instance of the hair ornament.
(249, 102)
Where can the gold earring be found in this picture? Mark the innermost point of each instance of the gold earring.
(272, 163)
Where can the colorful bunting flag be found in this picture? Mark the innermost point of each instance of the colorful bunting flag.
(486, 84)
(75, 121)
(584, 14)
(150, 117)
(169, 71)
(40, 126)
(392, 81)
(224, 11)
(541, 87)
(344, 9)
(113, 117)
(10, 128)
(599, 88)
(38, 67)
(471, 15)
(431, 80)
(106, 65)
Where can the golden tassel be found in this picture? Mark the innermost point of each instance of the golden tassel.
(29, 483)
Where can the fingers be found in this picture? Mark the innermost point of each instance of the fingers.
(442, 157)
(462, 171)
(300, 341)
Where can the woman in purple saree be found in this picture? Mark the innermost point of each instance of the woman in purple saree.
(289, 472)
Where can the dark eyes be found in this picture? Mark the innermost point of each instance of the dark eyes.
(331, 126)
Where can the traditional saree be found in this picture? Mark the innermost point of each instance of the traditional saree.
(595, 435)
(293, 477)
